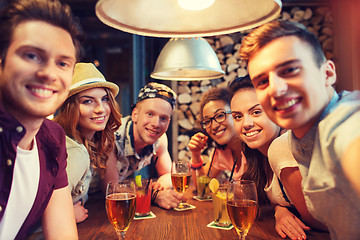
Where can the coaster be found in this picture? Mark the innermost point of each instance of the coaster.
(151, 215)
(213, 225)
(202, 199)
(186, 207)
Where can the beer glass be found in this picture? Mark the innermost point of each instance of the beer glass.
(120, 205)
(180, 177)
(242, 205)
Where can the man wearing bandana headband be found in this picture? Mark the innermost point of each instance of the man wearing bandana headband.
(156, 90)
(142, 145)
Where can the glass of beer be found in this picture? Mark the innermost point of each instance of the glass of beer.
(120, 205)
(180, 177)
(242, 205)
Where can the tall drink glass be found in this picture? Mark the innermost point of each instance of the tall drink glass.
(180, 177)
(143, 198)
(202, 186)
(242, 205)
(120, 205)
(221, 217)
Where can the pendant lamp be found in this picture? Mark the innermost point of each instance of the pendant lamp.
(187, 59)
(185, 18)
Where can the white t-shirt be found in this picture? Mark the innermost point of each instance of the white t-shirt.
(274, 193)
(280, 157)
(23, 192)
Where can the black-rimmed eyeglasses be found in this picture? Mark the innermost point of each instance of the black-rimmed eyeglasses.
(219, 118)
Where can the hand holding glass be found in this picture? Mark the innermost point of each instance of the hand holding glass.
(120, 205)
(242, 205)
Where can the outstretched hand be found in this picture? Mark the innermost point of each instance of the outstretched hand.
(287, 224)
(80, 212)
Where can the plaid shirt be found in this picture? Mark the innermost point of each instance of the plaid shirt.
(128, 161)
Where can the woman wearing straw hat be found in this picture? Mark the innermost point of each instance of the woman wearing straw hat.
(89, 116)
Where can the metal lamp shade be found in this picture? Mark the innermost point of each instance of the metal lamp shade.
(187, 59)
(165, 18)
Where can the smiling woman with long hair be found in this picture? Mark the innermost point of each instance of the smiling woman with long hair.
(258, 132)
(89, 116)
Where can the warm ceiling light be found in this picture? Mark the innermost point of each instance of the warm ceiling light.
(187, 59)
(165, 18)
(195, 5)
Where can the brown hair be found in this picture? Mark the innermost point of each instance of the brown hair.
(103, 141)
(258, 170)
(261, 36)
(258, 167)
(49, 11)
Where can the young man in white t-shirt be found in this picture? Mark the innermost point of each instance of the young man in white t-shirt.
(39, 47)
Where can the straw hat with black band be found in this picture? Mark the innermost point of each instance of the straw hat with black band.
(87, 76)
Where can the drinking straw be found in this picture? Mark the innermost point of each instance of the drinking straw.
(233, 168)
(212, 159)
(208, 173)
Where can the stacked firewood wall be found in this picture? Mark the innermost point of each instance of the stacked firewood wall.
(317, 19)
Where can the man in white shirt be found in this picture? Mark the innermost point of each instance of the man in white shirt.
(39, 47)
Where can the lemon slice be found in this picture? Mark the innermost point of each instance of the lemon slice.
(221, 195)
(214, 185)
(138, 180)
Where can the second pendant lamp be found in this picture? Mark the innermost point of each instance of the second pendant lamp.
(187, 59)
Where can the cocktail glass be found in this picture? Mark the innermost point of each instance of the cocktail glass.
(202, 185)
(221, 217)
(143, 198)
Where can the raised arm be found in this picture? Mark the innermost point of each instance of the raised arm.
(58, 220)
(351, 163)
(196, 145)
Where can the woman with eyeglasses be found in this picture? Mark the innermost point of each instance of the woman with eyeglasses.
(218, 123)
(219, 126)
